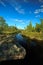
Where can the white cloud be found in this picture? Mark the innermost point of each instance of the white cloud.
(12, 2)
(19, 10)
(37, 16)
(15, 4)
(26, 1)
(41, 10)
(41, 1)
(41, 6)
(38, 11)
(1, 2)
(17, 20)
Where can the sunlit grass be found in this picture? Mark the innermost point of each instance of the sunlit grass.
(36, 35)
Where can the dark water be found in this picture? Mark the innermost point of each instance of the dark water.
(23, 41)
(20, 39)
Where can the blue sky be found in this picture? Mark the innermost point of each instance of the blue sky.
(21, 12)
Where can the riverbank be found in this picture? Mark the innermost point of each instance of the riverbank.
(36, 35)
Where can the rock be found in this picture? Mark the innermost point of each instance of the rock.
(10, 51)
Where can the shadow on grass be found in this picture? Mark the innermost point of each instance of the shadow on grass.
(34, 50)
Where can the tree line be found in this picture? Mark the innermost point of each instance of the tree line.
(37, 28)
(5, 28)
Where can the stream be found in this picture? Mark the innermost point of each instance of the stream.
(23, 41)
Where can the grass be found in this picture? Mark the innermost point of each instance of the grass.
(32, 35)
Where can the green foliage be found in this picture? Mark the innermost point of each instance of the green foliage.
(37, 27)
(2, 24)
(33, 29)
(29, 27)
(41, 24)
(2, 21)
(4, 28)
(34, 32)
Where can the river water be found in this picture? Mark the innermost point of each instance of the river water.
(23, 41)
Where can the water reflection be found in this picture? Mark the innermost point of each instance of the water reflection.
(19, 37)
(21, 40)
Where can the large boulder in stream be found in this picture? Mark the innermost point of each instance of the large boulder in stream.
(11, 50)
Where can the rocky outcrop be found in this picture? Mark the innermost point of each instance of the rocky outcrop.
(11, 49)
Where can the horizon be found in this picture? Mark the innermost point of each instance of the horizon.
(21, 12)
